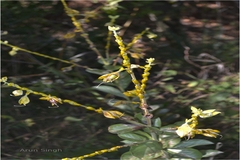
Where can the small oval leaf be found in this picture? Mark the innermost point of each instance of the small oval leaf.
(122, 128)
(124, 80)
(193, 143)
(128, 156)
(73, 119)
(169, 73)
(157, 122)
(96, 71)
(186, 152)
(132, 137)
(110, 90)
(169, 142)
(148, 150)
(170, 88)
(211, 152)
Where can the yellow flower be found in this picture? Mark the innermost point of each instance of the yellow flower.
(151, 35)
(29, 122)
(195, 110)
(184, 130)
(208, 132)
(137, 55)
(208, 113)
(69, 35)
(135, 66)
(112, 114)
(204, 114)
(189, 127)
(52, 99)
(112, 28)
(17, 93)
(3, 79)
(131, 93)
(13, 52)
(24, 100)
(150, 61)
(110, 77)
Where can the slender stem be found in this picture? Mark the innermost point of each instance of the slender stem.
(41, 55)
(79, 28)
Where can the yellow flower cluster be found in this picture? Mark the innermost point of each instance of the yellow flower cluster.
(146, 73)
(139, 87)
(189, 127)
(72, 13)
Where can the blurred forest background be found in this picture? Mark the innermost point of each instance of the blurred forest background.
(197, 64)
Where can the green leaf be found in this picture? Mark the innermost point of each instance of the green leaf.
(170, 129)
(103, 61)
(73, 119)
(148, 150)
(122, 128)
(139, 116)
(132, 137)
(169, 73)
(128, 142)
(96, 71)
(121, 104)
(217, 97)
(154, 107)
(157, 123)
(166, 79)
(169, 88)
(110, 90)
(153, 129)
(211, 152)
(10, 118)
(111, 67)
(170, 141)
(191, 76)
(186, 152)
(128, 156)
(225, 84)
(193, 143)
(141, 133)
(174, 141)
(124, 80)
(180, 159)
